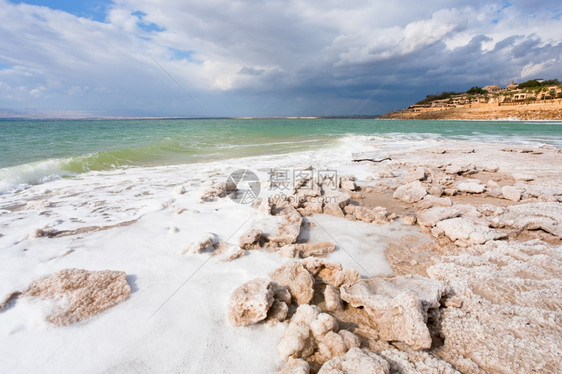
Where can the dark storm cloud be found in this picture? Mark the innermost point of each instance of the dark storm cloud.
(269, 58)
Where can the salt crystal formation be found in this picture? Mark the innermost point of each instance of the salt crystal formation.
(356, 361)
(506, 312)
(251, 302)
(485, 305)
(83, 293)
(411, 192)
(297, 279)
(398, 306)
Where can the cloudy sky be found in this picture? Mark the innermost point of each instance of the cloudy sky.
(265, 58)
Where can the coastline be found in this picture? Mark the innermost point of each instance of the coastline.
(190, 331)
(485, 112)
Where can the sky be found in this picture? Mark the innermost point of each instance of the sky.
(218, 58)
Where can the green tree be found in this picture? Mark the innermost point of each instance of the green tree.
(476, 90)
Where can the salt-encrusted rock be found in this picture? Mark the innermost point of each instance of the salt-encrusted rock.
(332, 345)
(85, 293)
(464, 232)
(417, 175)
(258, 300)
(471, 187)
(337, 344)
(411, 192)
(523, 177)
(546, 216)
(332, 298)
(330, 273)
(228, 252)
(350, 339)
(461, 169)
(338, 197)
(322, 325)
(492, 184)
(386, 174)
(297, 279)
(356, 361)
(289, 228)
(289, 251)
(430, 201)
(277, 312)
(409, 220)
(364, 214)
(511, 193)
(436, 190)
(296, 366)
(251, 239)
(333, 209)
(312, 207)
(467, 210)
(250, 302)
(218, 190)
(431, 216)
(416, 362)
(450, 191)
(179, 190)
(264, 207)
(348, 183)
(297, 341)
(490, 210)
(405, 322)
(494, 192)
(316, 249)
(398, 306)
(205, 243)
(506, 305)
(376, 215)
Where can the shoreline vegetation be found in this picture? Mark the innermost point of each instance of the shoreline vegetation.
(535, 99)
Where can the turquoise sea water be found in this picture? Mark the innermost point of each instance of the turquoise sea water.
(34, 150)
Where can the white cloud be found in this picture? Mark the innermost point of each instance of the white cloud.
(250, 57)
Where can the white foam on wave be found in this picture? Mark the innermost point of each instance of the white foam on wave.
(17, 178)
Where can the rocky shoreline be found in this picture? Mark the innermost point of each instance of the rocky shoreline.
(440, 258)
(477, 291)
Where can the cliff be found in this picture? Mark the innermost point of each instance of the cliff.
(544, 110)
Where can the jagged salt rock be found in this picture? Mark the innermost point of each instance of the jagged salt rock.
(256, 300)
(411, 192)
(417, 175)
(332, 298)
(471, 187)
(205, 243)
(297, 340)
(296, 366)
(356, 361)
(297, 279)
(333, 209)
(511, 193)
(397, 305)
(432, 216)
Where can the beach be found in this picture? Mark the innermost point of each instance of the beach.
(471, 208)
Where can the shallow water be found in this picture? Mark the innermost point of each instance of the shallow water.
(34, 152)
